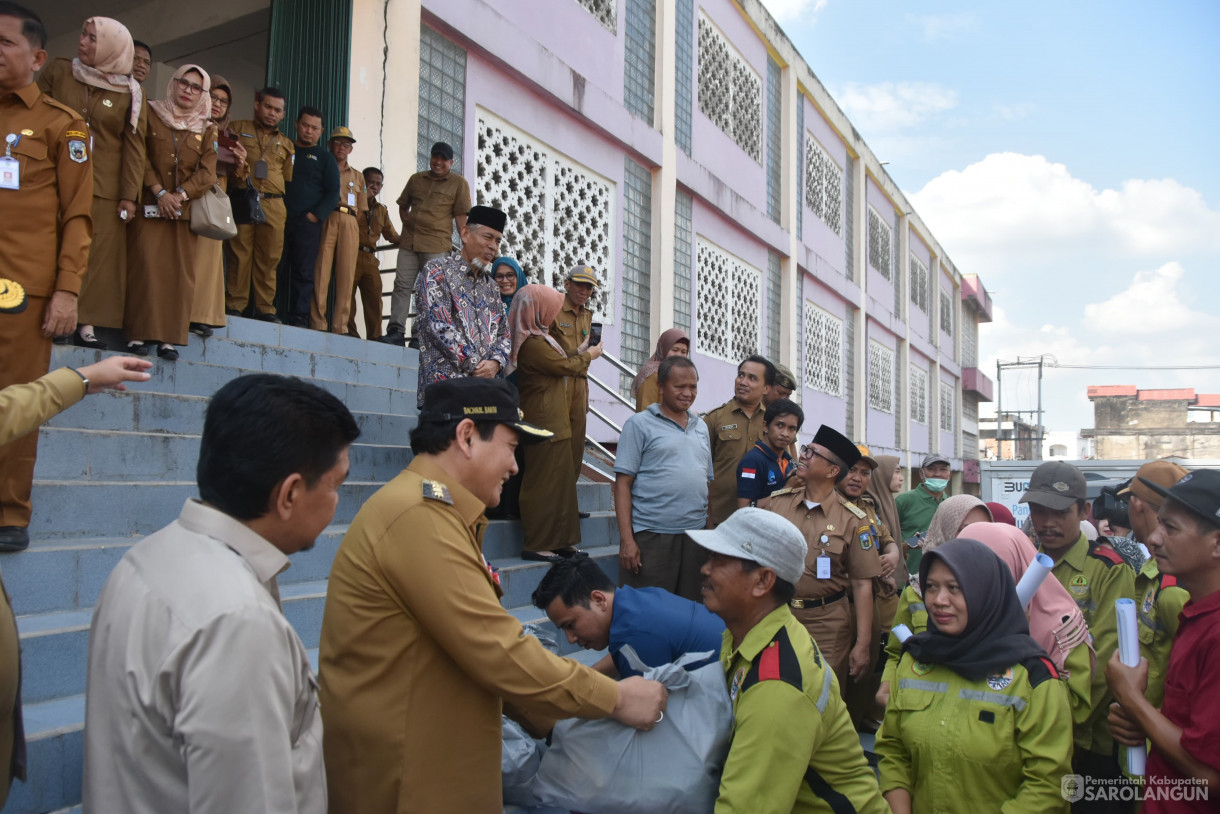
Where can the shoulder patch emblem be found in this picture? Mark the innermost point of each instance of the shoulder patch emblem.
(435, 490)
(1149, 600)
(77, 152)
(68, 134)
(1079, 585)
(738, 677)
(1000, 681)
(920, 669)
(866, 537)
(854, 509)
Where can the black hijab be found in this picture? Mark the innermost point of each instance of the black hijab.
(997, 633)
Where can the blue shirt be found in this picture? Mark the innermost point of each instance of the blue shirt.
(660, 627)
(762, 472)
(671, 467)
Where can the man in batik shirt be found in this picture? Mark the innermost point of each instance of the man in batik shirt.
(462, 324)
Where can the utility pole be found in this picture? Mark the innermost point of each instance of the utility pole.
(1038, 451)
(1035, 438)
(999, 410)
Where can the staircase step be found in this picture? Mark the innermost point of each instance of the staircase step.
(503, 538)
(519, 578)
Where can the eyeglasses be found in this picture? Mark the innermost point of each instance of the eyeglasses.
(506, 276)
(193, 87)
(808, 451)
(219, 100)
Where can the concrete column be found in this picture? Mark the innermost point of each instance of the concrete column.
(903, 414)
(664, 178)
(934, 368)
(790, 212)
(860, 274)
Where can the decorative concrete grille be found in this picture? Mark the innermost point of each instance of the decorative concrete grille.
(640, 62)
(775, 139)
(899, 430)
(684, 52)
(880, 377)
(683, 237)
(442, 97)
(919, 395)
(947, 392)
(880, 239)
(823, 185)
(730, 92)
(559, 212)
(823, 350)
(946, 312)
(606, 12)
(919, 284)
(775, 281)
(728, 305)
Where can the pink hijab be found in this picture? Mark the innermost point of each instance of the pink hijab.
(111, 68)
(533, 310)
(1055, 621)
(194, 119)
(664, 345)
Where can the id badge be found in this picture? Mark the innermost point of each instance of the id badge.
(351, 200)
(10, 173)
(260, 169)
(823, 567)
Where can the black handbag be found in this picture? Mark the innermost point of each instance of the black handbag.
(247, 211)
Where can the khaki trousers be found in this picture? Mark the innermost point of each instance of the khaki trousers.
(338, 249)
(830, 627)
(669, 561)
(25, 354)
(368, 286)
(253, 256)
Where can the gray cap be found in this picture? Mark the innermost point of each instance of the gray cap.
(1056, 485)
(934, 458)
(759, 535)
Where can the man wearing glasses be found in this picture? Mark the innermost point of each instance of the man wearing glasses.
(840, 564)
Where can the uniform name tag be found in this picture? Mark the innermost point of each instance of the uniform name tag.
(351, 199)
(260, 169)
(10, 173)
(823, 567)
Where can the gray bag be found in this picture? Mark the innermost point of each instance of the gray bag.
(604, 767)
(212, 215)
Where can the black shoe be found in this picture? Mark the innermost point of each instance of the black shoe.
(137, 348)
(570, 551)
(539, 556)
(14, 538)
(414, 343)
(90, 341)
(169, 354)
(394, 338)
(232, 312)
(199, 329)
(584, 515)
(270, 317)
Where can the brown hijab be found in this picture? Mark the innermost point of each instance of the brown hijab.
(664, 345)
(220, 83)
(879, 490)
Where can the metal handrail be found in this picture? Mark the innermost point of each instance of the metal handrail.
(614, 393)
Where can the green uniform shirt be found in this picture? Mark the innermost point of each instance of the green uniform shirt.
(999, 744)
(1096, 576)
(780, 684)
(915, 510)
(1159, 601)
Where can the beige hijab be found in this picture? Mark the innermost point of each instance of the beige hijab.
(883, 498)
(533, 310)
(111, 68)
(194, 119)
(947, 521)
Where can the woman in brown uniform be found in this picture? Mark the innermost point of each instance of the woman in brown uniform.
(208, 305)
(644, 387)
(181, 147)
(98, 85)
(549, 514)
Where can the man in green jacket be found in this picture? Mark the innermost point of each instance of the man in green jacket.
(916, 507)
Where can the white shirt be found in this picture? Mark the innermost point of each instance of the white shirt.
(201, 697)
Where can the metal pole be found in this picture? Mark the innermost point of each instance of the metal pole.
(1039, 452)
(999, 410)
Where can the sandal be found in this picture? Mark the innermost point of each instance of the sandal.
(137, 348)
(167, 352)
(84, 337)
(201, 330)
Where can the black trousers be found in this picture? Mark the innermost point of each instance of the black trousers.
(302, 239)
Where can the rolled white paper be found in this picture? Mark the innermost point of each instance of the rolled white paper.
(1034, 574)
(901, 632)
(1129, 654)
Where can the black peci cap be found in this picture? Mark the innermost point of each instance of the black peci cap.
(442, 150)
(479, 400)
(839, 444)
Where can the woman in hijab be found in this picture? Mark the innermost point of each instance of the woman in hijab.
(509, 279)
(644, 388)
(98, 85)
(208, 303)
(181, 148)
(979, 719)
(883, 497)
(549, 514)
(1001, 513)
(1055, 620)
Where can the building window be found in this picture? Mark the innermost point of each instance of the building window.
(774, 139)
(606, 12)
(442, 97)
(684, 235)
(684, 53)
(880, 377)
(919, 284)
(946, 312)
(730, 92)
(880, 239)
(637, 268)
(638, 68)
(919, 395)
(849, 369)
(823, 350)
(728, 304)
(560, 213)
(823, 185)
(947, 392)
(775, 281)
(970, 343)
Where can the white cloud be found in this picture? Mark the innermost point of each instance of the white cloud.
(1010, 113)
(891, 106)
(791, 11)
(938, 27)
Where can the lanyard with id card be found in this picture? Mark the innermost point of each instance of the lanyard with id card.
(824, 559)
(351, 194)
(10, 168)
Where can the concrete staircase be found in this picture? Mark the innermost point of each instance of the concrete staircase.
(119, 466)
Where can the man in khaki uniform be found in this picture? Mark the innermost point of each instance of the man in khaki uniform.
(46, 199)
(340, 239)
(430, 203)
(255, 253)
(418, 658)
(374, 225)
(571, 330)
(840, 561)
(734, 427)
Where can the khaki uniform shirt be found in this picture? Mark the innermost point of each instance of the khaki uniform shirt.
(543, 381)
(351, 183)
(201, 697)
(432, 204)
(116, 151)
(375, 225)
(179, 158)
(417, 657)
(830, 529)
(271, 146)
(25, 407)
(571, 327)
(733, 435)
(46, 226)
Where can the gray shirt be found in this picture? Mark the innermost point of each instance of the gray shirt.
(671, 467)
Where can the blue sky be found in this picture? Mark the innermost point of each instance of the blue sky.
(1062, 151)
